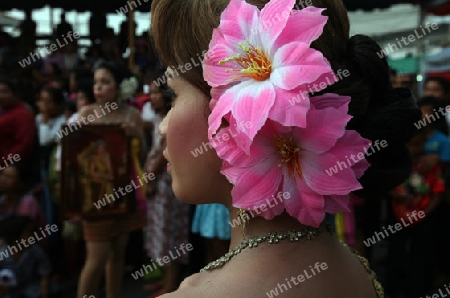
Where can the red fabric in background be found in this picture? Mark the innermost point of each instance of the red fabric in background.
(442, 10)
(445, 75)
(17, 132)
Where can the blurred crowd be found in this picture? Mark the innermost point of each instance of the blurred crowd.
(37, 100)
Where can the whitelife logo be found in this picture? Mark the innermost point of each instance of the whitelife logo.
(53, 47)
(11, 158)
(12, 249)
(398, 226)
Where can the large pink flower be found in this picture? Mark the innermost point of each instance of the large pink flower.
(264, 60)
(299, 161)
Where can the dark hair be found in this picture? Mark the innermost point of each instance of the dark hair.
(57, 70)
(81, 73)
(118, 71)
(379, 112)
(445, 84)
(436, 103)
(71, 106)
(166, 92)
(12, 227)
(12, 83)
(86, 86)
(22, 172)
(56, 94)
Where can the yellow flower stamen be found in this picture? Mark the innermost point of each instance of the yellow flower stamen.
(254, 64)
(289, 155)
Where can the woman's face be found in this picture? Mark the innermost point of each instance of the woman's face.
(47, 105)
(82, 100)
(197, 179)
(105, 87)
(7, 97)
(157, 99)
(9, 178)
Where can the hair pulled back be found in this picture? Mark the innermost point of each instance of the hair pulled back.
(181, 30)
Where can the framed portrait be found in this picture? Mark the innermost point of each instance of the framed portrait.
(96, 168)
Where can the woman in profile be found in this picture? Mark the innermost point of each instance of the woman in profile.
(270, 159)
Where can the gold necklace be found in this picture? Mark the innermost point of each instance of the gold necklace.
(272, 238)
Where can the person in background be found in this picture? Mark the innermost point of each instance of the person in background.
(148, 112)
(63, 27)
(49, 120)
(124, 35)
(437, 87)
(97, 25)
(168, 218)
(437, 151)
(18, 133)
(16, 199)
(412, 251)
(106, 239)
(85, 97)
(25, 274)
(27, 39)
(212, 222)
(75, 76)
(70, 57)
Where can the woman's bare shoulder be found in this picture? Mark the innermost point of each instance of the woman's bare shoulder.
(192, 286)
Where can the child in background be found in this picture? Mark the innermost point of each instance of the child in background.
(84, 96)
(212, 221)
(15, 199)
(24, 270)
(414, 246)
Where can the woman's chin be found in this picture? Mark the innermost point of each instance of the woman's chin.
(189, 198)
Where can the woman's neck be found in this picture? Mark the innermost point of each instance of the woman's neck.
(259, 226)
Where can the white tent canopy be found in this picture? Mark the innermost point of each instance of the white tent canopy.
(8, 21)
(378, 22)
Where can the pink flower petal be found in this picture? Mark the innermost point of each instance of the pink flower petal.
(331, 100)
(360, 168)
(214, 73)
(304, 25)
(256, 185)
(221, 108)
(351, 146)
(308, 210)
(231, 173)
(324, 128)
(290, 108)
(335, 204)
(272, 207)
(323, 82)
(297, 64)
(237, 20)
(315, 169)
(273, 19)
(227, 149)
(252, 103)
